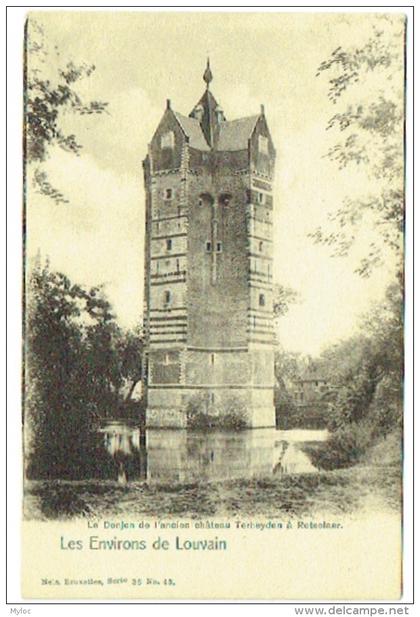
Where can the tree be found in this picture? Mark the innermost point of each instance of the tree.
(131, 349)
(71, 372)
(366, 371)
(48, 95)
(367, 83)
(283, 297)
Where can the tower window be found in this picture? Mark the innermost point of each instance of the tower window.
(169, 244)
(168, 297)
(212, 397)
(177, 265)
(262, 144)
(262, 300)
(261, 198)
(167, 140)
(168, 193)
(260, 246)
(208, 247)
(219, 247)
(224, 199)
(212, 359)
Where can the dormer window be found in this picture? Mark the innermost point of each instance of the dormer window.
(168, 193)
(263, 144)
(167, 140)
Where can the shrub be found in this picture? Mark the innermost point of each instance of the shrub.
(344, 447)
(228, 415)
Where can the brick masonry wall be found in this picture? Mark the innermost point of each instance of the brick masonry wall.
(222, 304)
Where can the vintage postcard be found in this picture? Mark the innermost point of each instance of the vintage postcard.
(213, 305)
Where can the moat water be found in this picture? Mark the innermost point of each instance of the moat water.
(182, 457)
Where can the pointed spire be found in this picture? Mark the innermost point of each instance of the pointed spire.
(208, 75)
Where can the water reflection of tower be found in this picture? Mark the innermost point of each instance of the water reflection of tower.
(185, 456)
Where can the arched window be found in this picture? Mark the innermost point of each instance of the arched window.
(205, 199)
(262, 300)
(224, 199)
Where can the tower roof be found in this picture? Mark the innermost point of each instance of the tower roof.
(208, 120)
(207, 128)
(234, 135)
(192, 129)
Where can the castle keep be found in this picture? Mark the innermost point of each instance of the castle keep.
(208, 266)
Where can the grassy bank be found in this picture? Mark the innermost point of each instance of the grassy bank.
(363, 487)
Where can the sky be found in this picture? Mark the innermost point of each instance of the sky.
(142, 59)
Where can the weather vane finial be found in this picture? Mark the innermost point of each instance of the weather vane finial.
(208, 76)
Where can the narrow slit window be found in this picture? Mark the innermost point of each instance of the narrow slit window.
(212, 359)
(169, 244)
(177, 265)
(262, 300)
(168, 297)
(260, 247)
(208, 247)
(219, 247)
(212, 397)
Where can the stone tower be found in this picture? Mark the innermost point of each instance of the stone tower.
(208, 266)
